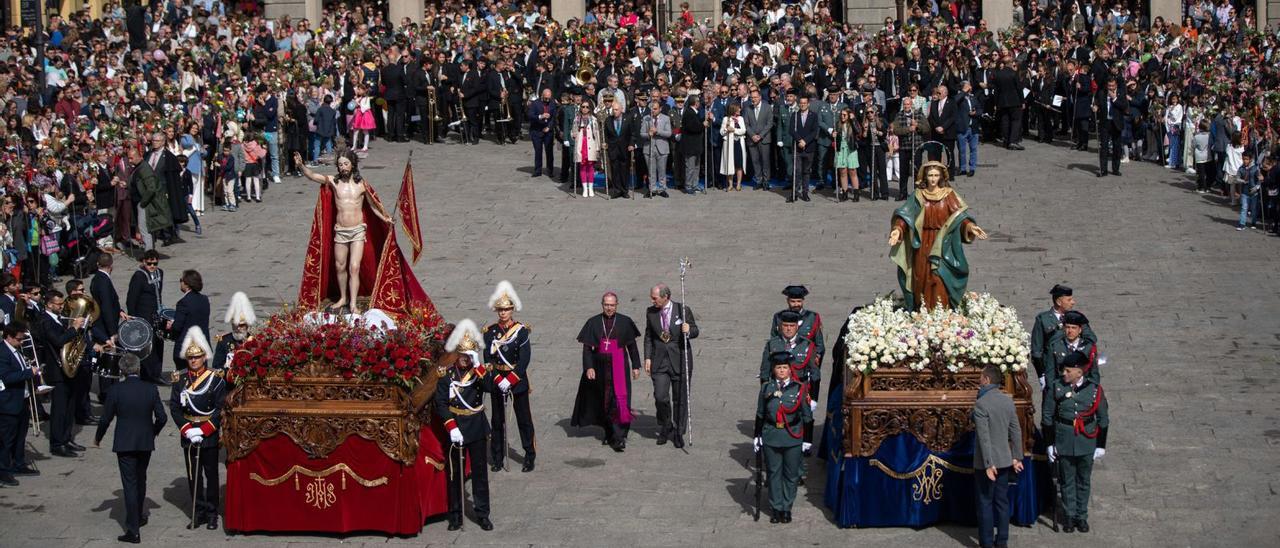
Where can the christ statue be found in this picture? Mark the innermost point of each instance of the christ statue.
(349, 192)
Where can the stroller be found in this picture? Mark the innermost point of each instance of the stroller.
(82, 243)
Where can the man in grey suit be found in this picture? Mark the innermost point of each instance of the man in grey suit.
(668, 327)
(997, 453)
(655, 144)
(759, 117)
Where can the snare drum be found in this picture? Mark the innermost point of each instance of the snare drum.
(135, 337)
(107, 364)
(160, 321)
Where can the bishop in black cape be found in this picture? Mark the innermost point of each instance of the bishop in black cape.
(608, 347)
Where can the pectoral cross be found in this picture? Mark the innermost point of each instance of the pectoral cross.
(604, 346)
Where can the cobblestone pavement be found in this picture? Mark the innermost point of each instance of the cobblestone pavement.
(1185, 306)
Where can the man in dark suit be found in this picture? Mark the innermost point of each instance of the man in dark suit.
(192, 311)
(542, 118)
(393, 82)
(804, 135)
(1009, 102)
(143, 301)
(142, 417)
(942, 124)
(50, 333)
(1043, 90)
(15, 411)
(474, 95)
(617, 133)
(108, 325)
(692, 130)
(1110, 107)
(668, 327)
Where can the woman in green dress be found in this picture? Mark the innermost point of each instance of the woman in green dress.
(846, 155)
(782, 410)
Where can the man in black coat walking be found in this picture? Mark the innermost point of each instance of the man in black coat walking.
(393, 83)
(142, 417)
(1009, 102)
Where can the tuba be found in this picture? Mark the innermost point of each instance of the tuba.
(586, 68)
(79, 306)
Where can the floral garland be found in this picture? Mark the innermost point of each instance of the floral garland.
(981, 333)
(288, 342)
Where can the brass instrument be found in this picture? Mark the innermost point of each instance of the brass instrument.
(77, 307)
(586, 68)
(38, 386)
(506, 108)
(435, 109)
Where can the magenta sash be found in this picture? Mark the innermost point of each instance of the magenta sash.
(619, 362)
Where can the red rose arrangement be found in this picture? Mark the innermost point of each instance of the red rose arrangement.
(286, 343)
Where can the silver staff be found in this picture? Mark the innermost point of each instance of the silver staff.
(685, 349)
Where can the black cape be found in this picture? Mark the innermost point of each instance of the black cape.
(590, 406)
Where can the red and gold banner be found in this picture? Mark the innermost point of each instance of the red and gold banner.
(407, 208)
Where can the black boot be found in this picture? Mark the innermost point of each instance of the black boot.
(528, 462)
(1082, 525)
(856, 194)
(775, 516)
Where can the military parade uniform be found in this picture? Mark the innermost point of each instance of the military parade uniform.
(804, 369)
(507, 352)
(809, 328)
(1061, 347)
(459, 402)
(225, 350)
(1048, 326)
(782, 413)
(195, 403)
(1074, 420)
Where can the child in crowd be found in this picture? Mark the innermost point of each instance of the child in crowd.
(1200, 154)
(1250, 191)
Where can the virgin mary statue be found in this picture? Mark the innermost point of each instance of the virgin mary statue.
(926, 243)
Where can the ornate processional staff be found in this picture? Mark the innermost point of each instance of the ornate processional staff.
(685, 265)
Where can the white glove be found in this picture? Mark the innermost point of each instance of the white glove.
(1099, 453)
(1041, 381)
(196, 439)
(806, 446)
(505, 385)
(191, 433)
(757, 444)
(1053, 454)
(566, 143)
(455, 436)
(813, 407)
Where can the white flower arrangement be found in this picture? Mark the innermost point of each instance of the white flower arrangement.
(981, 332)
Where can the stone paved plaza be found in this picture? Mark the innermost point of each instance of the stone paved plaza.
(1186, 307)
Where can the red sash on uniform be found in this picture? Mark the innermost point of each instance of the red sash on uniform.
(1078, 424)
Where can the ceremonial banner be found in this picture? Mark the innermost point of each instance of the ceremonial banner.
(407, 208)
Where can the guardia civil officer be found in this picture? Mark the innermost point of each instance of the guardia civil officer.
(782, 413)
(1075, 421)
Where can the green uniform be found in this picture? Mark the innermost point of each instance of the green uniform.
(804, 363)
(1048, 326)
(1058, 350)
(1074, 420)
(781, 414)
(810, 328)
